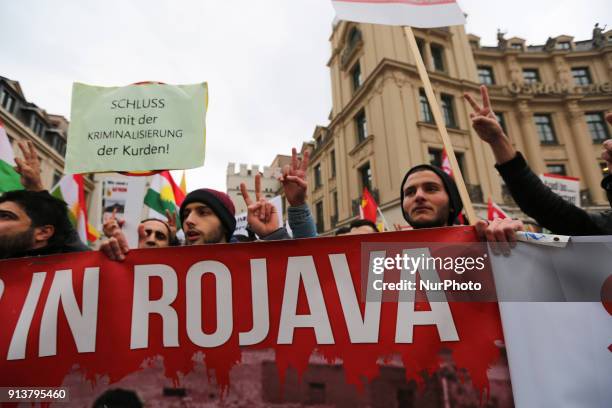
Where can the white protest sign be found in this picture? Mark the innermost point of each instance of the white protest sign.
(567, 187)
(136, 128)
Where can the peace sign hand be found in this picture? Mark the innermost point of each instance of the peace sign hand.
(112, 225)
(484, 120)
(294, 179)
(261, 216)
(29, 167)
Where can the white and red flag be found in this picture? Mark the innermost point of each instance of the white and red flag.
(414, 13)
(495, 211)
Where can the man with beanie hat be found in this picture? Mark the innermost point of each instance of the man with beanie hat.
(208, 217)
(429, 198)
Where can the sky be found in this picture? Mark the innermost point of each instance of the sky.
(264, 61)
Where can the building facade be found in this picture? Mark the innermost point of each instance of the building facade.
(23, 120)
(551, 100)
(245, 174)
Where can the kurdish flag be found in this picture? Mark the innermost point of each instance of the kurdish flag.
(163, 194)
(414, 13)
(9, 178)
(70, 190)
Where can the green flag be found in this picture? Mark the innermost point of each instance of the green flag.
(9, 178)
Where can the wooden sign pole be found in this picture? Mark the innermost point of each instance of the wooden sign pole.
(437, 114)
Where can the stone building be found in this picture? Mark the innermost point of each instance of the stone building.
(244, 174)
(24, 120)
(551, 99)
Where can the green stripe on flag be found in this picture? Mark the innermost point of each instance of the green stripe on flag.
(9, 178)
(153, 199)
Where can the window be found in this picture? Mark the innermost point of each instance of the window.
(437, 56)
(354, 38)
(365, 175)
(421, 46)
(502, 121)
(558, 169)
(564, 45)
(485, 74)
(597, 126)
(318, 141)
(318, 176)
(362, 126)
(545, 129)
(332, 163)
(59, 145)
(435, 159)
(531, 76)
(582, 76)
(449, 111)
(57, 176)
(320, 222)
(8, 101)
(426, 115)
(38, 127)
(356, 76)
(335, 202)
(516, 46)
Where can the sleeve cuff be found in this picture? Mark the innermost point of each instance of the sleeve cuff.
(512, 167)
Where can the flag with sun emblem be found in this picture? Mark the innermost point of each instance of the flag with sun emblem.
(163, 194)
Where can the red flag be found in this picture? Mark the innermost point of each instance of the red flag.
(446, 166)
(495, 211)
(179, 194)
(369, 208)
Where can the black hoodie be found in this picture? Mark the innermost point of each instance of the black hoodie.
(454, 206)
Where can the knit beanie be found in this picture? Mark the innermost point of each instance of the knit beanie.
(220, 203)
(454, 200)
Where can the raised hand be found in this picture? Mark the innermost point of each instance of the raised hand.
(488, 128)
(607, 154)
(261, 215)
(112, 226)
(607, 146)
(115, 248)
(484, 120)
(171, 216)
(29, 167)
(294, 179)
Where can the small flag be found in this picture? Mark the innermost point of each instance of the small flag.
(9, 178)
(414, 13)
(71, 190)
(163, 194)
(368, 209)
(495, 211)
(446, 166)
(184, 183)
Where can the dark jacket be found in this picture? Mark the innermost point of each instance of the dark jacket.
(547, 208)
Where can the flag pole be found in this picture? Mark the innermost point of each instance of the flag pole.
(437, 114)
(383, 218)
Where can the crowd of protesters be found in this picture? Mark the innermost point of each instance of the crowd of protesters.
(34, 223)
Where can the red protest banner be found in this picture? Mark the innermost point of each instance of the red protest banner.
(291, 297)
